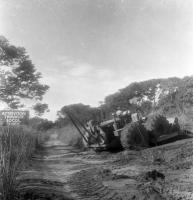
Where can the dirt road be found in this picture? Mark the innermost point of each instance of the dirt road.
(61, 172)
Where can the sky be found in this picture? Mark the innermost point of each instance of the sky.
(88, 49)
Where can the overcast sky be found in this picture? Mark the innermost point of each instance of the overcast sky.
(87, 49)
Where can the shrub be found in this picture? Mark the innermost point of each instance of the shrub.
(134, 135)
(158, 125)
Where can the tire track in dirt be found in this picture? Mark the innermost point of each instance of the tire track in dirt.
(88, 185)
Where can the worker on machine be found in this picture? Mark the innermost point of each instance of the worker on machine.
(137, 116)
(126, 117)
(118, 115)
(118, 112)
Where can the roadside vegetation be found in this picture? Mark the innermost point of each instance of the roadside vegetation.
(17, 145)
(21, 81)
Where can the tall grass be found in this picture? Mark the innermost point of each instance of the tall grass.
(17, 145)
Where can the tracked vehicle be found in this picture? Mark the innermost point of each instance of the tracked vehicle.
(125, 128)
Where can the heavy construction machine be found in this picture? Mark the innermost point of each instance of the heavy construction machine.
(105, 135)
(108, 135)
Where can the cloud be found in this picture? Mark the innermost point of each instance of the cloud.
(81, 70)
(85, 70)
(64, 60)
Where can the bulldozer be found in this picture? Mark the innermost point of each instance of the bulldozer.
(105, 135)
(109, 134)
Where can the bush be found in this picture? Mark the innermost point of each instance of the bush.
(17, 146)
(158, 125)
(134, 135)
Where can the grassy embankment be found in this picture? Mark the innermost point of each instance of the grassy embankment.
(17, 146)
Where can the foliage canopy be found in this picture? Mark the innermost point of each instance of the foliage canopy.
(22, 78)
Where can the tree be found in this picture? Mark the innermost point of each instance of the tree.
(83, 112)
(179, 97)
(40, 124)
(22, 78)
(40, 108)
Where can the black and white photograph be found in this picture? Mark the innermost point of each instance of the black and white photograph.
(96, 99)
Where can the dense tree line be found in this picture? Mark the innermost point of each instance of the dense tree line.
(171, 96)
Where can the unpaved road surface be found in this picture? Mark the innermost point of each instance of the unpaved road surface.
(61, 172)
